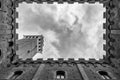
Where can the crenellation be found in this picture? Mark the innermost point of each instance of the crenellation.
(71, 59)
(28, 1)
(81, 59)
(92, 60)
(39, 60)
(59, 1)
(60, 60)
(104, 25)
(80, 1)
(16, 15)
(40, 37)
(104, 47)
(49, 60)
(16, 36)
(92, 69)
(104, 36)
(91, 1)
(70, 1)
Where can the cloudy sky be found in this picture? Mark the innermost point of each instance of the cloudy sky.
(69, 30)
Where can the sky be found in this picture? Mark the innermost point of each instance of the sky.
(69, 30)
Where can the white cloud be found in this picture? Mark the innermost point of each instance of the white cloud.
(70, 30)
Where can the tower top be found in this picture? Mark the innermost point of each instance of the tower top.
(32, 36)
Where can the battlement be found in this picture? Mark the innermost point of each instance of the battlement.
(32, 36)
(62, 60)
(14, 68)
(39, 41)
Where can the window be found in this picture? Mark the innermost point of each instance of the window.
(16, 74)
(60, 75)
(0, 4)
(0, 53)
(28, 51)
(104, 75)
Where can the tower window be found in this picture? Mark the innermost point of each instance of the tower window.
(0, 4)
(60, 75)
(104, 75)
(0, 53)
(28, 51)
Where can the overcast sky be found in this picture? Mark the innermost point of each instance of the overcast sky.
(69, 30)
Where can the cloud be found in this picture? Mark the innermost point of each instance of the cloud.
(69, 30)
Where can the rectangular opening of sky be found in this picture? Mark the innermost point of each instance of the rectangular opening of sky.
(69, 30)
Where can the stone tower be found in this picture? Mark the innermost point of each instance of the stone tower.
(30, 45)
(13, 67)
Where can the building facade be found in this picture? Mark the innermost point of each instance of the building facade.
(12, 67)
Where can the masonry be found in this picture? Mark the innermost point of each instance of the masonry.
(12, 67)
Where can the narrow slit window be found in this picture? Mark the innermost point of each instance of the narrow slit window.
(0, 4)
(0, 53)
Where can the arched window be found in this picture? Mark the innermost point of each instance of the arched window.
(104, 74)
(16, 74)
(60, 75)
